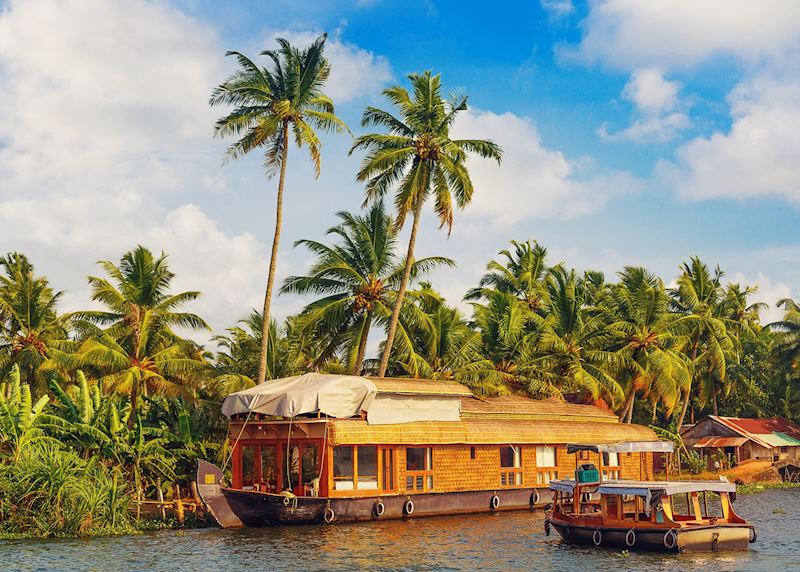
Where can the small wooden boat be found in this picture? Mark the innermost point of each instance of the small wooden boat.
(666, 516)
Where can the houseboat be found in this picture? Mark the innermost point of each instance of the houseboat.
(330, 448)
(668, 516)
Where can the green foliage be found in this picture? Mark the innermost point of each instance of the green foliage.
(48, 491)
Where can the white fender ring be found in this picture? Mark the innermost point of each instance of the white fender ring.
(597, 537)
(753, 536)
(380, 508)
(534, 498)
(670, 539)
(408, 508)
(495, 501)
(630, 538)
(329, 515)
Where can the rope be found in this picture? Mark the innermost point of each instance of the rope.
(225, 465)
(289, 455)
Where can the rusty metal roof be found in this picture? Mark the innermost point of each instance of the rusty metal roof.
(705, 442)
(768, 432)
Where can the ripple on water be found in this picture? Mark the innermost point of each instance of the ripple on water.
(478, 542)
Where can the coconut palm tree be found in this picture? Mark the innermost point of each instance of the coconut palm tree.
(446, 347)
(522, 274)
(696, 298)
(418, 159)
(29, 321)
(651, 341)
(271, 105)
(138, 349)
(358, 277)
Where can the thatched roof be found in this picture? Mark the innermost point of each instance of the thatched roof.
(519, 407)
(407, 386)
(486, 432)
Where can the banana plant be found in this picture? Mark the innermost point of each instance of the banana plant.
(23, 422)
(85, 413)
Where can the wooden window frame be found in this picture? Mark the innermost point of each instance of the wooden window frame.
(512, 476)
(551, 472)
(425, 476)
(356, 491)
(280, 459)
(608, 469)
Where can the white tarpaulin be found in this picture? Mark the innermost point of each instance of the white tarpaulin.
(334, 395)
(387, 409)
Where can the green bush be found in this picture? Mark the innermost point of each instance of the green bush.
(693, 462)
(51, 492)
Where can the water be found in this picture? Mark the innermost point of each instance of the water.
(480, 542)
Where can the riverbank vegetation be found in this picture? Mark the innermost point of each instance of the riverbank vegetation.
(101, 408)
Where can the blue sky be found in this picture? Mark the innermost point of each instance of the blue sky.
(634, 133)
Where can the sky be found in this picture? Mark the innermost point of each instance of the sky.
(634, 133)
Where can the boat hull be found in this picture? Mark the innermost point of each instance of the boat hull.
(266, 509)
(710, 538)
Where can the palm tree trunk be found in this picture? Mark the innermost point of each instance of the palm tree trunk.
(628, 404)
(262, 361)
(135, 342)
(402, 291)
(629, 416)
(689, 391)
(714, 397)
(655, 412)
(362, 345)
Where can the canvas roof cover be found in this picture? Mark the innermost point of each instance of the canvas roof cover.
(625, 447)
(333, 395)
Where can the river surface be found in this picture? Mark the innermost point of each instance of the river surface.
(481, 542)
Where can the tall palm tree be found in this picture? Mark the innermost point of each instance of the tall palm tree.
(522, 273)
(696, 297)
(29, 322)
(358, 277)
(138, 348)
(651, 340)
(418, 158)
(270, 106)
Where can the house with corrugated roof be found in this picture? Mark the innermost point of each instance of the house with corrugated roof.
(740, 439)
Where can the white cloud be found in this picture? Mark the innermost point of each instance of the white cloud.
(558, 8)
(658, 128)
(650, 92)
(355, 72)
(758, 156)
(655, 117)
(629, 34)
(533, 181)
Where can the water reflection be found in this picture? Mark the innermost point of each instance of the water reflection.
(481, 542)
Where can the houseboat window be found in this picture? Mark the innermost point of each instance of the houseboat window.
(711, 504)
(343, 468)
(546, 470)
(269, 467)
(510, 465)
(249, 475)
(419, 468)
(367, 467)
(611, 468)
(472, 453)
(310, 467)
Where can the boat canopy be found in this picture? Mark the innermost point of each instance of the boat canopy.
(333, 395)
(650, 490)
(645, 488)
(625, 447)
